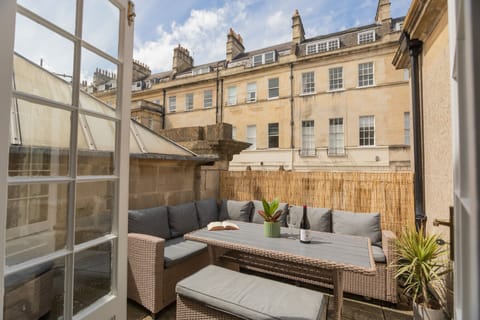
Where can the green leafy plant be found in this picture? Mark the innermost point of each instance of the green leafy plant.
(420, 264)
(270, 213)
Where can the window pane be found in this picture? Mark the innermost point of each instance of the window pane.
(207, 98)
(39, 69)
(273, 135)
(36, 220)
(36, 292)
(96, 145)
(252, 137)
(92, 275)
(335, 78)
(189, 101)
(99, 77)
(63, 15)
(251, 92)
(40, 140)
(172, 104)
(232, 96)
(94, 210)
(273, 91)
(101, 25)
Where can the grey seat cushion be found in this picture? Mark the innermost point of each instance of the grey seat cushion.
(251, 297)
(236, 210)
(320, 218)
(179, 249)
(358, 224)
(378, 254)
(182, 219)
(258, 205)
(151, 221)
(207, 211)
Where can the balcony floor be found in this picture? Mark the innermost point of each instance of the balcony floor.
(353, 310)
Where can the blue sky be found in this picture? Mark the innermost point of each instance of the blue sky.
(202, 25)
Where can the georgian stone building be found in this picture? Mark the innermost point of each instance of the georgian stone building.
(329, 102)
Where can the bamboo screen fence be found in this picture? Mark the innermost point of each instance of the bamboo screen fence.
(390, 194)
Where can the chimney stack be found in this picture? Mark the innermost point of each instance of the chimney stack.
(181, 60)
(298, 33)
(383, 13)
(234, 45)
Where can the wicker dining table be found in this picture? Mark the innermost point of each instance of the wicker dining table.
(328, 254)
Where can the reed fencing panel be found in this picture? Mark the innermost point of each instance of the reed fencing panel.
(390, 194)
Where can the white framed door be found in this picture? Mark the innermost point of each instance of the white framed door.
(464, 51)
(65, 158)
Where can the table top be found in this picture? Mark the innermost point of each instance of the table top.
(327, 250)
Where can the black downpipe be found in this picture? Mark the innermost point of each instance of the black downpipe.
(221, 100)
(415, 48)
(164, 108)
(216, 96)
(292, 123)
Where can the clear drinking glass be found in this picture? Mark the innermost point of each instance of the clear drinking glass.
(292, 226)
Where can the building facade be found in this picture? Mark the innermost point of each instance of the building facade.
(330, 102)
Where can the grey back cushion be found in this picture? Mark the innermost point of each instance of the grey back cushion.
(236, 210)
(258, 205)
(182, 219)
(320, 218)
(207, 211)
(358, 224)
(151, 221)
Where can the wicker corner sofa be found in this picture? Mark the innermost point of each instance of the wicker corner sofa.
(159, 257)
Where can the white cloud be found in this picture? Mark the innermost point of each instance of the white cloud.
(203, 34)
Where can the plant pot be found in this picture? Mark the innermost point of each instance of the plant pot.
(271, 229)
(420, 312)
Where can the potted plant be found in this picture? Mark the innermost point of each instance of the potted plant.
(420, 264)
(270, 215)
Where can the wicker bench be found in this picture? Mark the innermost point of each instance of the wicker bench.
(219, 293)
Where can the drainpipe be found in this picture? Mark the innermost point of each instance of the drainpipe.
(292, 123)
(415, 48)
(221, 100)
(164, 108)
(216, 95)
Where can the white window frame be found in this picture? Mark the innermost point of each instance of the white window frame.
(366, 37)
(370, 118)
(251, 92)
(308, 139)
(322, 46)
(234, 133)
(264, 58)
(366, 79)
(251, 136)
(172, 104)
(271, 133)
(336, 136)
(231, 96)
(334, 79)
(308, 83)
(270, 88)
(189, 102)
(208, 98)
(111, 305)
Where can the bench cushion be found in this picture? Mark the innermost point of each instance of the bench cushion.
(358, 224)
(236, 210)
(179, 249)
(207, 211)
(320, 218)
(251, 297)
(182, 219)
(378, 255)
(258, 205)
(151, 221)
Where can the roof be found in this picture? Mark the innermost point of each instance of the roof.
(278, 47)
(49, 127)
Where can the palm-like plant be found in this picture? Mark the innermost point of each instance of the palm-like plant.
(270, 213)
(420, 264)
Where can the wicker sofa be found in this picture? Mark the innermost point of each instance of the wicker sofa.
(159, 257)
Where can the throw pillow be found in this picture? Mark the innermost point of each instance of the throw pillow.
(319, 218)
(151, 221)
(207, 211)
(182, 219)
(236, 210)
(358, 224)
